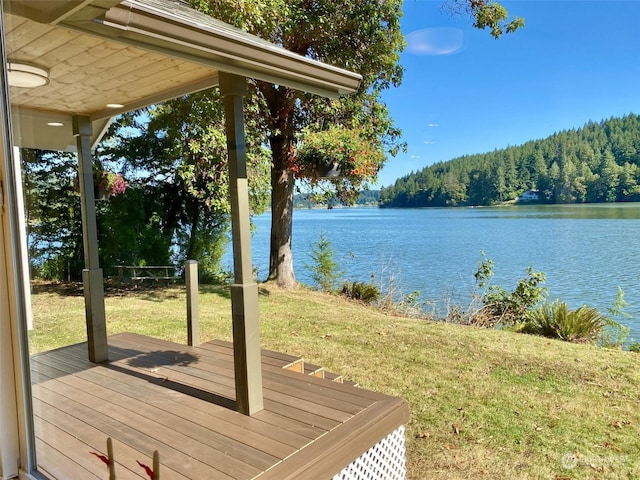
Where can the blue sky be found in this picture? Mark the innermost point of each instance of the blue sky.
(464, 92)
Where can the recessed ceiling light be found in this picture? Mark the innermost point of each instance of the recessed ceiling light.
(55, 124)
(26, 76)
(114, 105)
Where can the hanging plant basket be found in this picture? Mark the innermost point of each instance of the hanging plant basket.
(326, 169)
(107, 184)
(101, 194)
(336, 153)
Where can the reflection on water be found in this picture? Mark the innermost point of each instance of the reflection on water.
(620, 211)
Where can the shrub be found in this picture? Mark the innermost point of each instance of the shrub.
(634, 347)
(324, 268)
(615, 333)
(367, 292)
(555, 320)
(501, 307)
(53, 268)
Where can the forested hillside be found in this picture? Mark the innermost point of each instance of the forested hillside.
(599, 162)
(307, 200)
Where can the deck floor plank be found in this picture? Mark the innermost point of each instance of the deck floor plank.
(159, 429)
(60, 465)
(155, 394)
(171, 456)
(310, 399)
(206, 413)
(211, 434)
(83, 442)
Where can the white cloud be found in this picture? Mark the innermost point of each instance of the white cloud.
(433, 125)
(415, 156)
(429, 142)
(435, 41)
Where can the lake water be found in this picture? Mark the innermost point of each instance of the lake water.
(586, 251)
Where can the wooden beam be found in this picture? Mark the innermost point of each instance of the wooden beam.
(244, 291)
(92, 274)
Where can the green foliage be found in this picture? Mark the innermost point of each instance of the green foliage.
(308, 200)
(207, 246)
(485, 270)
(130, 230)
(352, 158)
(488, 14)
(324, 268)
(359, 36)
(599, 162)
(366, 292)
(177, 153)
(634, 347)
(502, 307)
(52, 269)
(52, 205)
(555, 320)
(615, 333)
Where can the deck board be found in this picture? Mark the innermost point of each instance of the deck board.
(158, 395)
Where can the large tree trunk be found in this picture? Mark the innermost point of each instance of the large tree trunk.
(282, 183)
(281, 103)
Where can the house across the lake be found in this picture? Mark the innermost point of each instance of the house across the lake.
(529, 196)
(211, 411)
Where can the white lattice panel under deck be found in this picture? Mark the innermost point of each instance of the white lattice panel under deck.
(384, 461)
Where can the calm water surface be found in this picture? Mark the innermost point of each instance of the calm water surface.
(586, 251)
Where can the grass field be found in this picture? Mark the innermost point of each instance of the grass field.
(485, 404)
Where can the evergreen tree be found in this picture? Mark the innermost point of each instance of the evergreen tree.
(596, 163)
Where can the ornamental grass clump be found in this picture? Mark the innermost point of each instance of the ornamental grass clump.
(366, 292)
(555, 320)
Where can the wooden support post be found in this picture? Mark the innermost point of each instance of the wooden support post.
(244, 291)
(193, 310)
(92, 274)
(156, 465)
(112, 460)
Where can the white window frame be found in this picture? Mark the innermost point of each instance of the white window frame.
(17, 439)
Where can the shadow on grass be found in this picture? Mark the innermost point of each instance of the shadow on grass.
(64, 289)
(224, 291)
(150, 292)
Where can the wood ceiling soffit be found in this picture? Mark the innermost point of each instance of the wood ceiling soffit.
(87, 71)
(55, 11)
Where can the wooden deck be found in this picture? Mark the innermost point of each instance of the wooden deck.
(158, 395)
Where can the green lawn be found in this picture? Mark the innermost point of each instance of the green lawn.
(485, 404)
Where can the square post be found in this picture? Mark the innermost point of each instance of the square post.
(92, 278)
(244, 291)
(193, 309)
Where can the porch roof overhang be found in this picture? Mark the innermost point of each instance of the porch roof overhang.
(132, 53)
